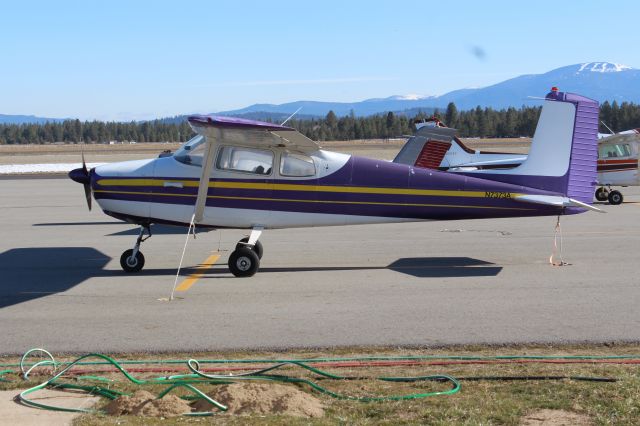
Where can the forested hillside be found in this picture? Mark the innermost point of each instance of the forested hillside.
(478, 122)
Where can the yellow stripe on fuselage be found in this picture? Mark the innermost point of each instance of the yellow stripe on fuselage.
(373, 203)
(298, 187)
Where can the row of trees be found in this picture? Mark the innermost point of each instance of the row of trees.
(74, 131)
(478, 122)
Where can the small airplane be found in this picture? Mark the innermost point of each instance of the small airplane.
(436, 146)
(247, 174)
(618, 156)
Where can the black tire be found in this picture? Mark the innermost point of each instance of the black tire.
(130, 264)
(615, 198)
(244, 262)
(601, 194)
(257, 247)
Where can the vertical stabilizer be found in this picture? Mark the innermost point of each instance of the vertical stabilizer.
(564, 150)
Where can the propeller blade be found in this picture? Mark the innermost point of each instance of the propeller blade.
(84, 165)
(87, 194)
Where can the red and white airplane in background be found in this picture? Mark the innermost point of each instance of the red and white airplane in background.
(436, 146)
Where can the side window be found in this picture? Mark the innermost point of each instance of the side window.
(614, 151)
(624, 150)
(192, 152)
(296, 165)
(609, 151)
(247, 160)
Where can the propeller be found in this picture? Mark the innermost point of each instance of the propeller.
(82, 175)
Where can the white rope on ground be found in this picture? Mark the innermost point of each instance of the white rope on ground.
(557, 232)
(191, 226)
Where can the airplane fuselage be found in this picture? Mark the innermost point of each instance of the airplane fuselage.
(343, 190)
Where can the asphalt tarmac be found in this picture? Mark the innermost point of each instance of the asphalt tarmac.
(412, 284)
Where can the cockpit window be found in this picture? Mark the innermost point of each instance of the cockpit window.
(614, 151)
(248, 160)
(297, 165)
(192, 152)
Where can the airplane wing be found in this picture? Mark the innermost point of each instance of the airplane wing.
(250, 132)
(626, 136)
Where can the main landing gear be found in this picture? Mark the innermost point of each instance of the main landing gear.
(244, 261)
(606, 194)
(132, 260)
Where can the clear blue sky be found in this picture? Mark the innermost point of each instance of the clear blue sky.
(121, 60)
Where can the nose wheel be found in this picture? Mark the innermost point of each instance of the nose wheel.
(132, 260)
(132, 263)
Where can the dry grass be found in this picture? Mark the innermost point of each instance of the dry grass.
(158, 147)
(479, 402)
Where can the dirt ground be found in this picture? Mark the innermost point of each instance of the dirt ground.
(12, 413)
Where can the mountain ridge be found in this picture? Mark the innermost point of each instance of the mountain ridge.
(603, 81)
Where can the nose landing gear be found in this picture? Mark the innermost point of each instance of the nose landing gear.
(132, 260)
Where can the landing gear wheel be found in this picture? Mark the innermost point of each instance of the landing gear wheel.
(601, 194)
(244, 262)
(615, 198)
(257, 247)
(132, 264)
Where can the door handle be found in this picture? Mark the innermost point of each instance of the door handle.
(173, 184)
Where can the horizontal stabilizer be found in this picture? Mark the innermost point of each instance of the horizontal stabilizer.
(513, 161)
(552, 200)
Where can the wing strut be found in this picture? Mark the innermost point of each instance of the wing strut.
(203, 187)
(201, 201)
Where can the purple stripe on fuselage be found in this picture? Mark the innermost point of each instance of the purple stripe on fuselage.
(356, 173)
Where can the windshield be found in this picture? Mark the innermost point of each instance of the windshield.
(191, 152)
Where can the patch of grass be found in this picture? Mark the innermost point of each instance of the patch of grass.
(478, 402)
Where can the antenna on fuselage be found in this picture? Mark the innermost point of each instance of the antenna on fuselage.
(608, 128)
(291, 116)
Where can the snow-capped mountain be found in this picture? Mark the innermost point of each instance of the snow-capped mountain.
(603, 67)
(598, 80)
(603, 81)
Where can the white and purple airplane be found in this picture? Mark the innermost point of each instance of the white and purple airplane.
(253, 175)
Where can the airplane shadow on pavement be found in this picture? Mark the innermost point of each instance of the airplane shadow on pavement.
(421, 267)
(31, 273)
(156, 229)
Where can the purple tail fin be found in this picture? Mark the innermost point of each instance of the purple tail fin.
(582, 172)
(564, 151)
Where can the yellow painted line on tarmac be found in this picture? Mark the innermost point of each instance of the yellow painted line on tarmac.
(202, 269)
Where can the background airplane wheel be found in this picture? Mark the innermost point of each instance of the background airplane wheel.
(131, 264)
(601, 194)
(244, 262)
(615, 198)
(257, 247)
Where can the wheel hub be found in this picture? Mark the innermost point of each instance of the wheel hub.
(243, 263)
